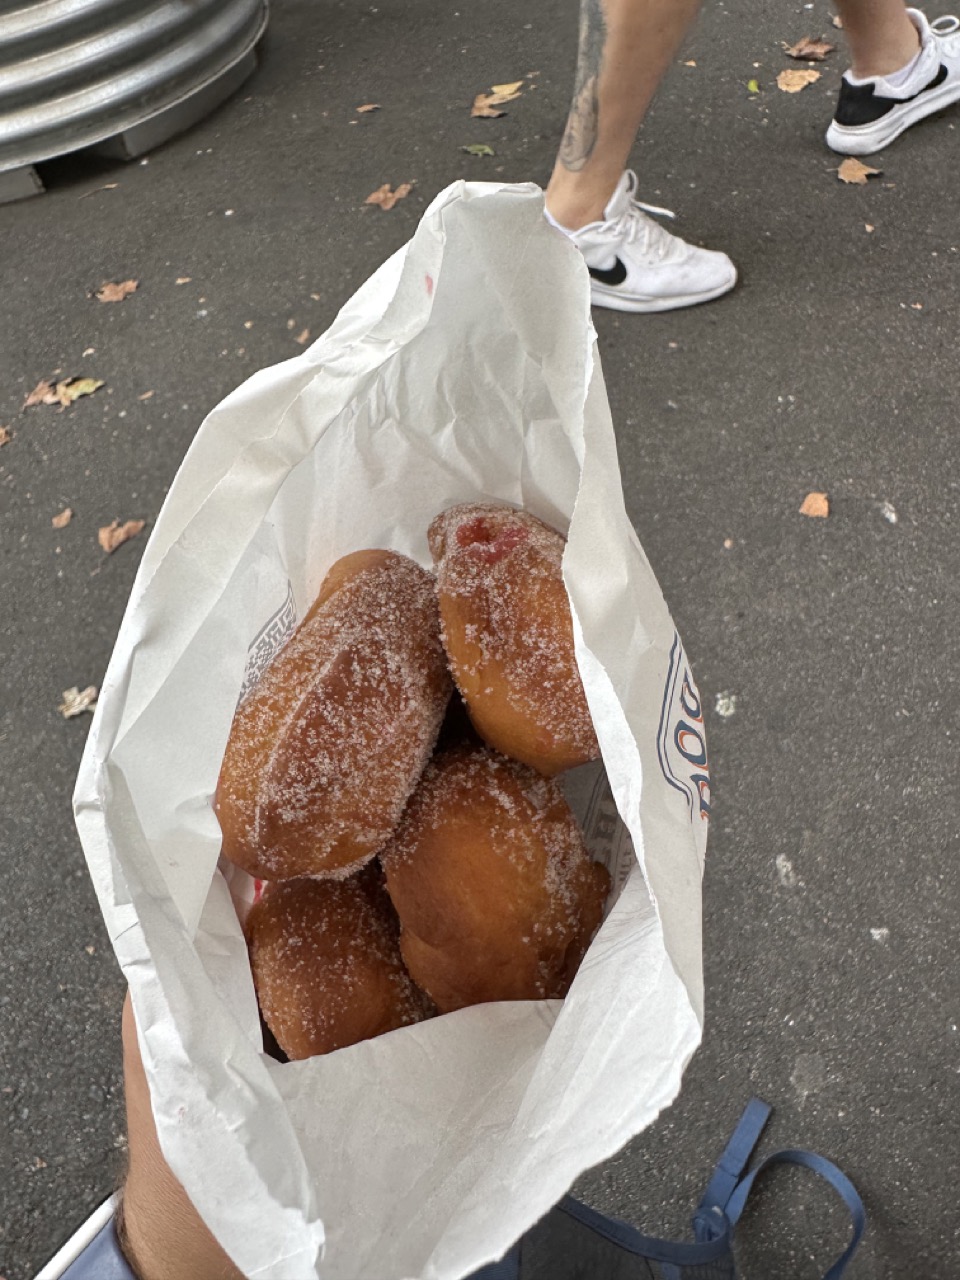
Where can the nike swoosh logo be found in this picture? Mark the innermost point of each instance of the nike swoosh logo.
(937, 79)
(610, 275)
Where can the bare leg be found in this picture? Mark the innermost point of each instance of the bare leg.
(625, 48)
(881, 36)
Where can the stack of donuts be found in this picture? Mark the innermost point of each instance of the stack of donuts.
(392, 779)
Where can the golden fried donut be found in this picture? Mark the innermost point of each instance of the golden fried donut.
(508, 634)
(497, 896)
(326, 966)
(326, 749)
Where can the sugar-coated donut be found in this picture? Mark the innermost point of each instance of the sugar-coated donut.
(326, 749)
(497, 896)
(326, 965)
(507, 630)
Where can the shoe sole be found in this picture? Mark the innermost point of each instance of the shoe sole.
(868, 139)
(601, 297)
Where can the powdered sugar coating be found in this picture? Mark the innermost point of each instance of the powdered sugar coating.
(497, 896)
(326, 965)
(507, 630)
(327, 748)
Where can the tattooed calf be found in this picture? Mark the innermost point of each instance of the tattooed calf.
(580, 135)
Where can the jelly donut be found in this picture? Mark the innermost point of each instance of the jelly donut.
(497, 896)
(507, 630)
(326, 965)
(326, 749)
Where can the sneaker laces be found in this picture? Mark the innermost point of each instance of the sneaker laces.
(636, 226)
(944, 30)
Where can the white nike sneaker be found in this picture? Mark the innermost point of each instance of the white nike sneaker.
(636, 265)
(872, 112)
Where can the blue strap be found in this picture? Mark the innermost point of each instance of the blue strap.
(709, 1218)
(831, 1174)
(678, 1253)
(719, 1209)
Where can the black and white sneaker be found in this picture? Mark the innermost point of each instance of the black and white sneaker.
(872, 112)
(635, 264)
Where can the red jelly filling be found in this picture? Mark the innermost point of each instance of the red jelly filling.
(488, 541)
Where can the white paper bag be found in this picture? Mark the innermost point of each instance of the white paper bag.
(465, 369)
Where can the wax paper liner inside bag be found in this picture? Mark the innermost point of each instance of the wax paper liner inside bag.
(465, 369)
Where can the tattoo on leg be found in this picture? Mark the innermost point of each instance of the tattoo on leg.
(580, 135)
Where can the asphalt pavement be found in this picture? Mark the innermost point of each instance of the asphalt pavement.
(825, 649)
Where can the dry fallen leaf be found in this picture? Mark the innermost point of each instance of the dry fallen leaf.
(183, 279)
(793, 81)
(6, 435)
(63, 519)
(116, 292)
(115, 534)
(386, 198)
(72, 389)
(485, 104)
(483, 108)
(64, 393)
(867, 226)
(855, 171)
(691, 63)
(303, 337)
(146, 395)
(368, 106)
(76, 701)
(916, 306)
(42, 393)
(816, 504)
(809, 50)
